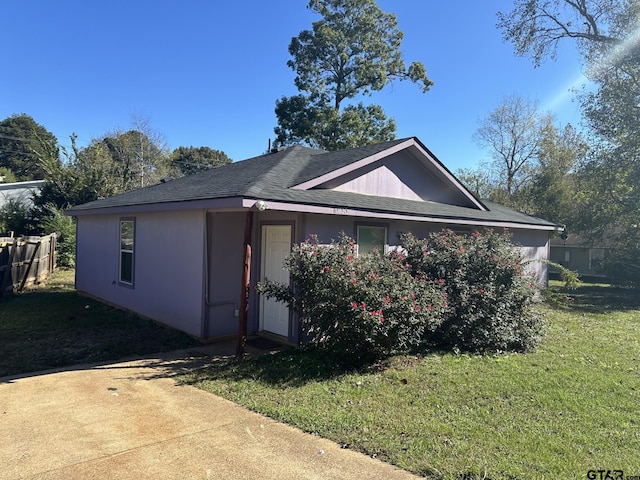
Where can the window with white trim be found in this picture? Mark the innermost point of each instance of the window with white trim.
(371, 239)
(127, 244)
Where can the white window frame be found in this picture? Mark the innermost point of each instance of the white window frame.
(126, 247)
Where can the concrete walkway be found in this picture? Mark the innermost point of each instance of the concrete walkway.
(131, 420)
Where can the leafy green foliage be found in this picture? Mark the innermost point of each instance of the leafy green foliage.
(450, 291)
(366, 305)
(65, 228)
(324, 127)
(353, 50)
(130, 159)
(512, 134)
(108, 166)
(489, 292)
(610, 197)
(16, 217)
(606, 205)
(68, 183)
(552, 191)
(23, 145)
(623, 264)
(535, 27)
(190, 160)
(7, 176)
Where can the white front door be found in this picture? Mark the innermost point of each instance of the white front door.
(276, 246)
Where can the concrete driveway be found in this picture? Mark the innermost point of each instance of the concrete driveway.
(131, 420)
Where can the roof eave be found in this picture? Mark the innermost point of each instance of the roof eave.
(352, 212)
(227, 203)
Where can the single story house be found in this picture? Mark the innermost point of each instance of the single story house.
(19, 191)
(578, 254)
(174, 252)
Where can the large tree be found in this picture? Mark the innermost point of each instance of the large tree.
(23, 145)
(190, 160)
(535, 27)
(70, 182)
(353, 50)
(608, 38)
(115, 163)
(512, 134)
(552, 192)
(533, 162)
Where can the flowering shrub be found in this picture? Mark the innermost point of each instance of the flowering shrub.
(490, 295)
(370, 304)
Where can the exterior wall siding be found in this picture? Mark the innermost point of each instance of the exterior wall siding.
(168, 267)
(225, 234)
(194, 286)
(534, 245)
(398, 176)
(19, 191)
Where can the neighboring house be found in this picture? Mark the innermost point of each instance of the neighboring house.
(174, 251)
(575, 253)
(20, 191)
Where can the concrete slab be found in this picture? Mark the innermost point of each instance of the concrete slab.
(131, 420)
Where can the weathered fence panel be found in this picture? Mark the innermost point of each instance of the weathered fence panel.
(25, 261)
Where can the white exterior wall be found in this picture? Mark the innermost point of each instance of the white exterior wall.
(19, 191)
(168, 265)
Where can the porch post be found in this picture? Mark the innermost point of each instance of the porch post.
(244, 292)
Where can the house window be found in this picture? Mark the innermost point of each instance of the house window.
(127, 242)
(596, 256)
(371, 239)
(567, 256)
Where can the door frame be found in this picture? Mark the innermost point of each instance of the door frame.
(261, 265)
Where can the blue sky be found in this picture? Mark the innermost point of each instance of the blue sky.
(207, 73)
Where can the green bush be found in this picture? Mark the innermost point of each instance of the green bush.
(55, 221)
(447, 291)
(491, 296)
(16, 216)
(366, 305)
(622, 263)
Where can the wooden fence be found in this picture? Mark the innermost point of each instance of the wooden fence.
(25, 261)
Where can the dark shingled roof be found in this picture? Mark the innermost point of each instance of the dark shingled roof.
(270, 176)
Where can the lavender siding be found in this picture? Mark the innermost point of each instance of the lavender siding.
(534, 245)
(168, 271)
(225, 234)
(188, 265)
(400, 175)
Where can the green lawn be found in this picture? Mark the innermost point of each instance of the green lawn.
(52, 326)
(571, 406)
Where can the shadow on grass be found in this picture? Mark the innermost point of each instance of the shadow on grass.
(595, 298)
(289, 368)
(53, 328)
